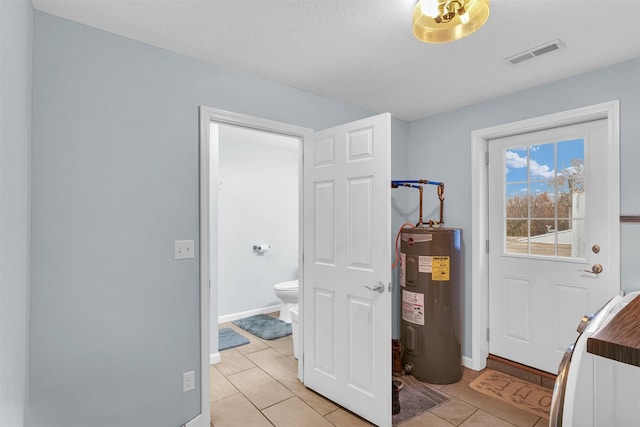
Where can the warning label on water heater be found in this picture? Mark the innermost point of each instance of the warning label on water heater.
(424, 264)
(413, 307)
(440, 268)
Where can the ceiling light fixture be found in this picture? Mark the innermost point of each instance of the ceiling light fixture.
(442, 21)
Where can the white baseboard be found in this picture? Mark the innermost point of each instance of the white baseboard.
(214, 358)
(468, 362)
(235, 316)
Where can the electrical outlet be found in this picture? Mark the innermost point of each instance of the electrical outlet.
(188, 381)
(183, 249)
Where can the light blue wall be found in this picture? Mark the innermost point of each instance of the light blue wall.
(440, 149)
(115, 320)
(16, 28)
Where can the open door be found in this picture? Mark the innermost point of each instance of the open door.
(347, 271)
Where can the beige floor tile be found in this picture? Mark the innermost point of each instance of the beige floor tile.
(483, 419)
(259, 388)
(255, 343)
(343, 418)
(232, 362)
(282, 345)
(294, 413)
(252, 347)
(454, 411)
(321, 405)
(518, 417)
(236, 411)
(469, 374)
(426, 419)
(542, 422)
(263, 374)
(274, 363)
(220, 386)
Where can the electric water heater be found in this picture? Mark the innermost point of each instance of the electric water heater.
(431, 285)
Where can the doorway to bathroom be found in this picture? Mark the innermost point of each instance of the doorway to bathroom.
(345, 277)
(236, 213)
(257, 206)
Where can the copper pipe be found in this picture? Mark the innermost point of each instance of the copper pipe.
(420, 219)
(412, 184)
(441, 197)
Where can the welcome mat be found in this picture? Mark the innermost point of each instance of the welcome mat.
(415, 398)
(264, 326)
(228, 338)
(514, 391)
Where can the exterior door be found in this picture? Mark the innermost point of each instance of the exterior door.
(548, 239)
(347, 271)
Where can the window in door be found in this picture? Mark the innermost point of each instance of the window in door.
(545, 199)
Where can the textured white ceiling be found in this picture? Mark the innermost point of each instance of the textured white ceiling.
(362, 52)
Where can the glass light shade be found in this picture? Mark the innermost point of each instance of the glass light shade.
(429, 8)
(434, 30)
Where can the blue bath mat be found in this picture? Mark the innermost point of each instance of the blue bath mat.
(228, 338)
(265, 326)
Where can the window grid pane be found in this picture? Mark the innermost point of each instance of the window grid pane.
(545, 199)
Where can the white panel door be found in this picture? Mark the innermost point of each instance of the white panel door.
(548, 229)
(347, 271)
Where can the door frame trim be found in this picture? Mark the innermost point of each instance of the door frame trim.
(209, 222)
(479, 206)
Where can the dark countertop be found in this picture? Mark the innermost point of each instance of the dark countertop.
(620, 338)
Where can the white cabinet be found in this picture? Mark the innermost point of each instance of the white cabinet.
(616, 393)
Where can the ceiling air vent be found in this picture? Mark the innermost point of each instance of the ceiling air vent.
(536, 51)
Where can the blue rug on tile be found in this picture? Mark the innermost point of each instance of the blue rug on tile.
(265, 326)
(228, 338)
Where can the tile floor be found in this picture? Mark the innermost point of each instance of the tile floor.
(256, 385)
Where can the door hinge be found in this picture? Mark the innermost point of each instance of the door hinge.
(486, 157)
(487, 245)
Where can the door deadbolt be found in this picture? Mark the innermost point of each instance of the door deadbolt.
(595, 248)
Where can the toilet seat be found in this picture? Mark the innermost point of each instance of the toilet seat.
(291, 285)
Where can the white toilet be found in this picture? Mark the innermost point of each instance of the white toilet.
(288, 294)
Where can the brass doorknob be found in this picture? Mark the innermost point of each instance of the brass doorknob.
(595, 269)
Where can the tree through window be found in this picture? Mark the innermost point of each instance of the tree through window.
(545, 199)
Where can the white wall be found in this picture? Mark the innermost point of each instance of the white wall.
(258, 203)
(16, 29)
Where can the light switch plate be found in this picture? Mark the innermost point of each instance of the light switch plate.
(183, 249)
